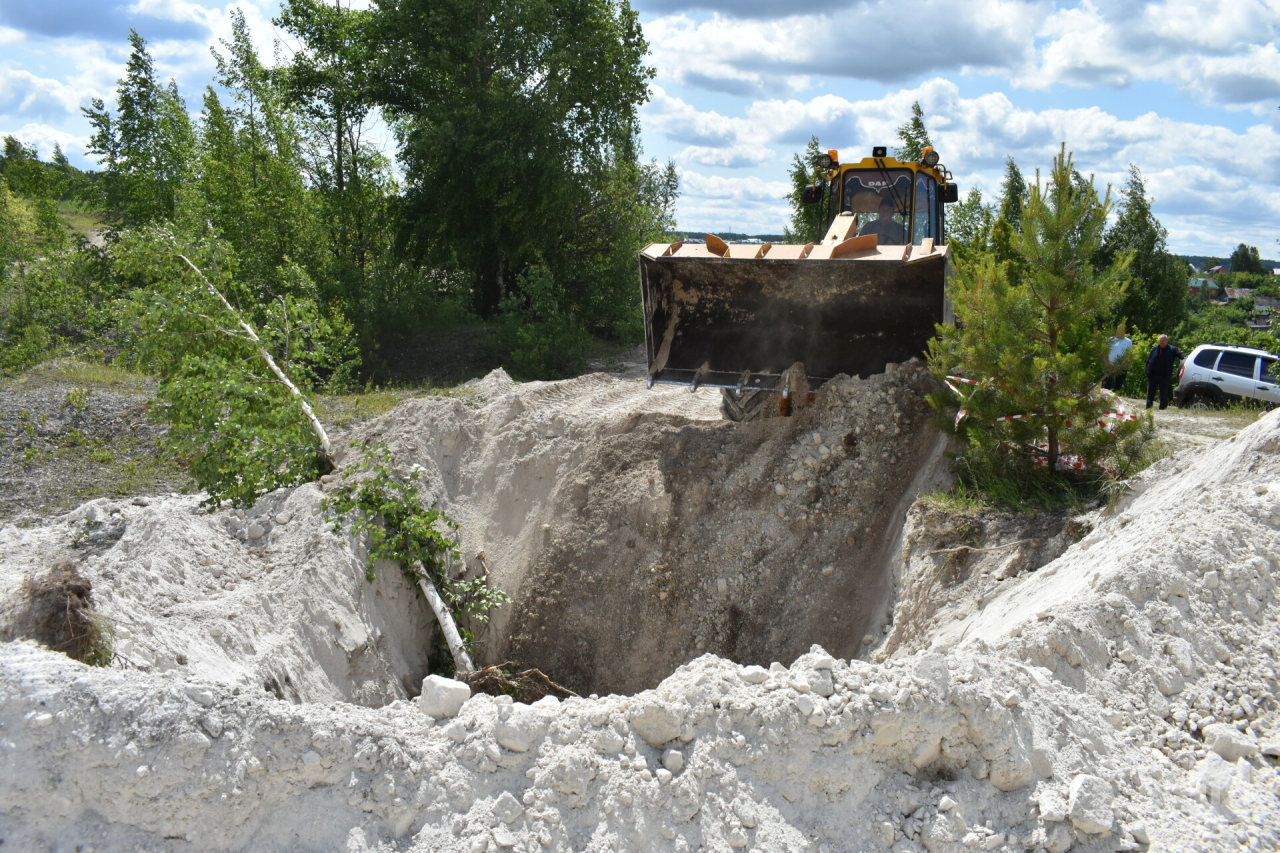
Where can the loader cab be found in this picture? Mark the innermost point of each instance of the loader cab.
(917, 193)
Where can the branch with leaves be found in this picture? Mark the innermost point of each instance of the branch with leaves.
(373, 502)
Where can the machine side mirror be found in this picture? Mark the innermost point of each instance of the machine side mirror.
(950, 193)
(812, 194)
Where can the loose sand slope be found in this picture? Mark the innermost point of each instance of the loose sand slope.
(1121, 695)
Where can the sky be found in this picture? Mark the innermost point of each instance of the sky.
(1187, 91)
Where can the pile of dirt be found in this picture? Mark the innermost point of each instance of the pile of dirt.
(1102, 683)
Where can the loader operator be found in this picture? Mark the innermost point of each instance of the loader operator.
(889, 231)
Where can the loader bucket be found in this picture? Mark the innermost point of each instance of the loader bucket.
(741, 322)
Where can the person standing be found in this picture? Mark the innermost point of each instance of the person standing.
(1118, 349)
(1160, 364)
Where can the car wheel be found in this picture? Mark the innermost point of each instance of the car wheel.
(1199, 401)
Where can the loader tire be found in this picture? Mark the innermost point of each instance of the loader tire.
(750, 405)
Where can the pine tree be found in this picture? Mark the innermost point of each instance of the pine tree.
(913, 135)
(1013, 194)
(1156, 299)
(1035, 347)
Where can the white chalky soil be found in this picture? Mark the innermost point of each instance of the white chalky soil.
(1121, 697)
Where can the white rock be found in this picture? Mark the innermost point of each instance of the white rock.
(753, 674)
(442, 697)
(609, 741)
(824, 661)
(1180, 650)
(504, 837)
(946, 804)
(1139, 832)
(507, 808)
(311, 758)
(1271, 748)
(805, 704)
(737, 838)
(256, 531)
(656, 723)
(1211, 580)
(283, 518)
(820, 682)
(200, 695)
(1116, 601)
(799, 682)
(1214, 776)
(1053, 809)
(1229, 742)
(673, 760)
(523, 725)
(1089, 805)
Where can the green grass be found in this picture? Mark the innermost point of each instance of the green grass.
(79, 220)
(72, 371)
(345, 410)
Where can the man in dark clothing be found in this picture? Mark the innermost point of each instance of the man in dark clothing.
(1160, 364)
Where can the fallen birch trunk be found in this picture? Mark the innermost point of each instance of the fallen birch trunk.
(462, 663)
(325, 456)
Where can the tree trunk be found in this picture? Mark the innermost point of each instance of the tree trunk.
(462, 663)
(1053, 450)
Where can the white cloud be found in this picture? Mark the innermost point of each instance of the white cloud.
(9, 36)
(1219, 52)
(23, 93)
(43, 137)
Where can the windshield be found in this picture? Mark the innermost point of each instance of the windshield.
(881, 200)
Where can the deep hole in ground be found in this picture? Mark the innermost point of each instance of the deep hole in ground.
(635, 529)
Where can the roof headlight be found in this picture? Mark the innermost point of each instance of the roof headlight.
(929, 157)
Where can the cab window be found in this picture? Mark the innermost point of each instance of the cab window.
(1238, 364)
(865, 191)
(1269, 372)
(926, 209)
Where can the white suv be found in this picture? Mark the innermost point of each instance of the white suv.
(1216, 374)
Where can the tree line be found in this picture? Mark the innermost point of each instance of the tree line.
(516, 194)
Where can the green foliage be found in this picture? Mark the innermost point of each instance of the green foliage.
(806, 219)
(913, 135)
(1156, 298)
(1034, 347)
(545, 337)
(146, 146)
(1013, 194)
(969, 225)
(1245, 259)
(241, 430)
(515, 129)
(421, 540)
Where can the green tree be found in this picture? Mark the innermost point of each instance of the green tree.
(251, 188)
(969, 225)
(1034, 347)
(806, 219)
(235, 372)
(515, 125)
(1245, 259)
(146, 146)
(1157, 297)
(913, 135)
(328, 79)
(1013, 194)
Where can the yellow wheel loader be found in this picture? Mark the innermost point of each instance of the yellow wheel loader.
(768, 324)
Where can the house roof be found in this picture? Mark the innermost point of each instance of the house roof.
(1239, 292)
(1270, 302)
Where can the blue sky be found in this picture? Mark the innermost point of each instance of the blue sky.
(1189, 90)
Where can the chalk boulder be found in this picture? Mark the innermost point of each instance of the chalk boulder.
(442, 697)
